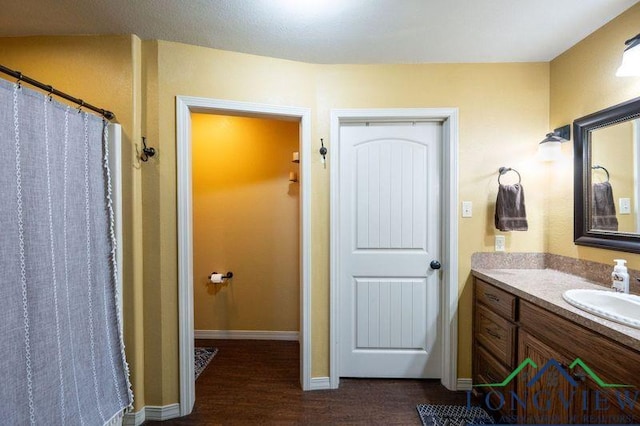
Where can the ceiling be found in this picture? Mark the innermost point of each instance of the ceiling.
(332, 31)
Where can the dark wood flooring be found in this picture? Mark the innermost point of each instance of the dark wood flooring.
(257, 383)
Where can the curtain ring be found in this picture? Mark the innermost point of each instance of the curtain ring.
(50, 90)
(19, 80)
(80, 106)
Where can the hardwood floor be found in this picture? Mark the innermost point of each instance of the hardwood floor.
(257, 383)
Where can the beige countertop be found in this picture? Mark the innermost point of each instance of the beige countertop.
(544, 287)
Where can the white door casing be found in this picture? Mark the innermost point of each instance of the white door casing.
(448, 297)
(184, 106)
(389, 295)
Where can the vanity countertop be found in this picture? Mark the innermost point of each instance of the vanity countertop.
(544, 287)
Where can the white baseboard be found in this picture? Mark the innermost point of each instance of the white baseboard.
(151, 412)
(464, 384)
(320, 383)
(162, 413)
(246, 335)
(134, 419)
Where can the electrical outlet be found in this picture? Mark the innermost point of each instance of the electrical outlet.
(625, 205)
(500, 243)
(467, 209)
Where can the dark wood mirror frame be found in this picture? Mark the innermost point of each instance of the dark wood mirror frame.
(582, 128)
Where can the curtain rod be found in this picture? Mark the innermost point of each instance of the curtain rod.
(49, 89)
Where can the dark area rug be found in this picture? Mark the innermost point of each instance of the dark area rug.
(452, 415)
(203, 357)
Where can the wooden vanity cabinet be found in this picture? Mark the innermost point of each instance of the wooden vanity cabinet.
(508, 330)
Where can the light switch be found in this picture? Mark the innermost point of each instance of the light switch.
(625, 205)
(467, 209)
(500, 243)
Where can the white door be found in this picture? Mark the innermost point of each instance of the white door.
(389, 199)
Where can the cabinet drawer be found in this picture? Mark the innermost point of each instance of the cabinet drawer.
(488, 370)
(497, 300)
(496, 334)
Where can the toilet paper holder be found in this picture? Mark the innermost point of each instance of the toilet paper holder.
(226, 276)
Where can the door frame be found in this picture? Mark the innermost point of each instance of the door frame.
(449, 244)
(185, 105)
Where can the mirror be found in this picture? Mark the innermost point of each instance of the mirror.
(607, 178)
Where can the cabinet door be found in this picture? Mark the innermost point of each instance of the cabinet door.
(604, 408)
(546, 395)
(488, 370)
(598, 405)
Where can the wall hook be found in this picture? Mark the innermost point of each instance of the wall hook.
(147, 152)
(323, 152)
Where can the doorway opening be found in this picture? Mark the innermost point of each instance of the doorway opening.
(246, 227)
(192, 270)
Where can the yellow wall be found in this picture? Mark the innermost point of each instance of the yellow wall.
(158, 382)
(583, 81)
(104, 72)
(245, 220)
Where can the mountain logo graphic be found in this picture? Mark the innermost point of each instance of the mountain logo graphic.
(552, 363)
(557, 366)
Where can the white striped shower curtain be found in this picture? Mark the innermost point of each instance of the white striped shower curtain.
(62, 356)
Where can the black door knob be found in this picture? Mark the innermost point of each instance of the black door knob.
(435, 264)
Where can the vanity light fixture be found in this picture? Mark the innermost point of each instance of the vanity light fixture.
(630, 58)
(550, 148)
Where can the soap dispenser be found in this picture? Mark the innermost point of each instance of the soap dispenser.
(620, 277)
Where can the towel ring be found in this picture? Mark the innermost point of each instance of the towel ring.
(600, 167)
(503, 170)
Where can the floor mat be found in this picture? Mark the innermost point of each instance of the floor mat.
(452, 415)
(203, 357)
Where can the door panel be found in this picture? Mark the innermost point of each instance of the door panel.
(387, 201)
(389, 315)
(390, 231)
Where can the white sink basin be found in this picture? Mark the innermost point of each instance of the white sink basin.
(619, 307)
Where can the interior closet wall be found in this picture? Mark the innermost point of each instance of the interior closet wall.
(245, 220)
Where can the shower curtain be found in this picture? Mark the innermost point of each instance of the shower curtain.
(61, 354)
